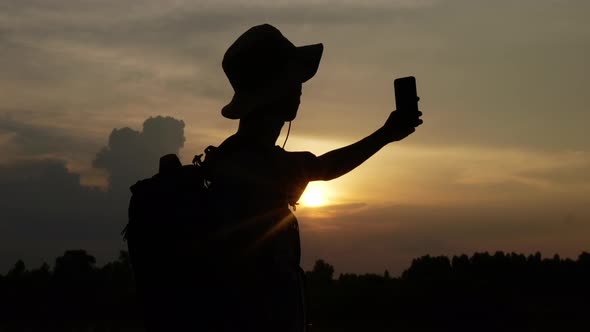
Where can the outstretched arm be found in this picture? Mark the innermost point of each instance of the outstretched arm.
(338, 162)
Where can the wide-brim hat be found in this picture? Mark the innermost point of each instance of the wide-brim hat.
(261, 63)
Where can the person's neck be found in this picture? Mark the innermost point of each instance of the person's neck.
(261, 129)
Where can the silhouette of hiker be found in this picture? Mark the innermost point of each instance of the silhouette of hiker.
(253, 181)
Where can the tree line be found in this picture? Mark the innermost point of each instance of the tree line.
(482, 292)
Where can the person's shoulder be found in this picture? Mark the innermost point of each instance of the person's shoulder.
(298, 159)
(296, 154)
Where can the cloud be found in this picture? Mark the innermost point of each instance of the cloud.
(29, 140)
(132, 155)
(388, 237)
(27, 136)
(480, 81)
(543, 172)
(328, 212)
(44, 208)
(463, 175)
(206, 14)
(174, 48)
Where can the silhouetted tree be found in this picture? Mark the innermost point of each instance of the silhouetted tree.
(497, 292)
(428, 268)
(18, 270)
(74, 264)
(322, 272)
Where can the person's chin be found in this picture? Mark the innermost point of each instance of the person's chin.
(292, 113)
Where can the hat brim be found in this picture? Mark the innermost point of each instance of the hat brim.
(306, 61)
(302, 67)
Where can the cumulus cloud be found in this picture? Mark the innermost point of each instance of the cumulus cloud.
(132, 155)
(44, 209)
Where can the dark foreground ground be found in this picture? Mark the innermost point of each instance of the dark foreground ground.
(484, 292)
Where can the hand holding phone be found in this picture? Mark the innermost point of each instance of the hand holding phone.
(403, 122)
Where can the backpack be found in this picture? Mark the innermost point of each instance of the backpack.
(179, 250)
(169, 234)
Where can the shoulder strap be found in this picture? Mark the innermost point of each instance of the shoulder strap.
(209, 151)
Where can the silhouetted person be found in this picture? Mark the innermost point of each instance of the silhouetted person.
(253, 182)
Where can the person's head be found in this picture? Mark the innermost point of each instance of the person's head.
(283, 105)
(267, 72)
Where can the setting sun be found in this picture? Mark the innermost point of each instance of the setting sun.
(313, 196)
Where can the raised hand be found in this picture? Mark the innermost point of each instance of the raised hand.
(401, 124)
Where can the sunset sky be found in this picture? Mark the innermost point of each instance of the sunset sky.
(502, 161)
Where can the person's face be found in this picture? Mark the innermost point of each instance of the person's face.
(291, 100)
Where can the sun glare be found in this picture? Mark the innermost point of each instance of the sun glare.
(313, 196)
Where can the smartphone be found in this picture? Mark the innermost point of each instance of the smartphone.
(406, 97)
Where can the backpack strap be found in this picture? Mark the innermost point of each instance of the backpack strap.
(209, 151)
